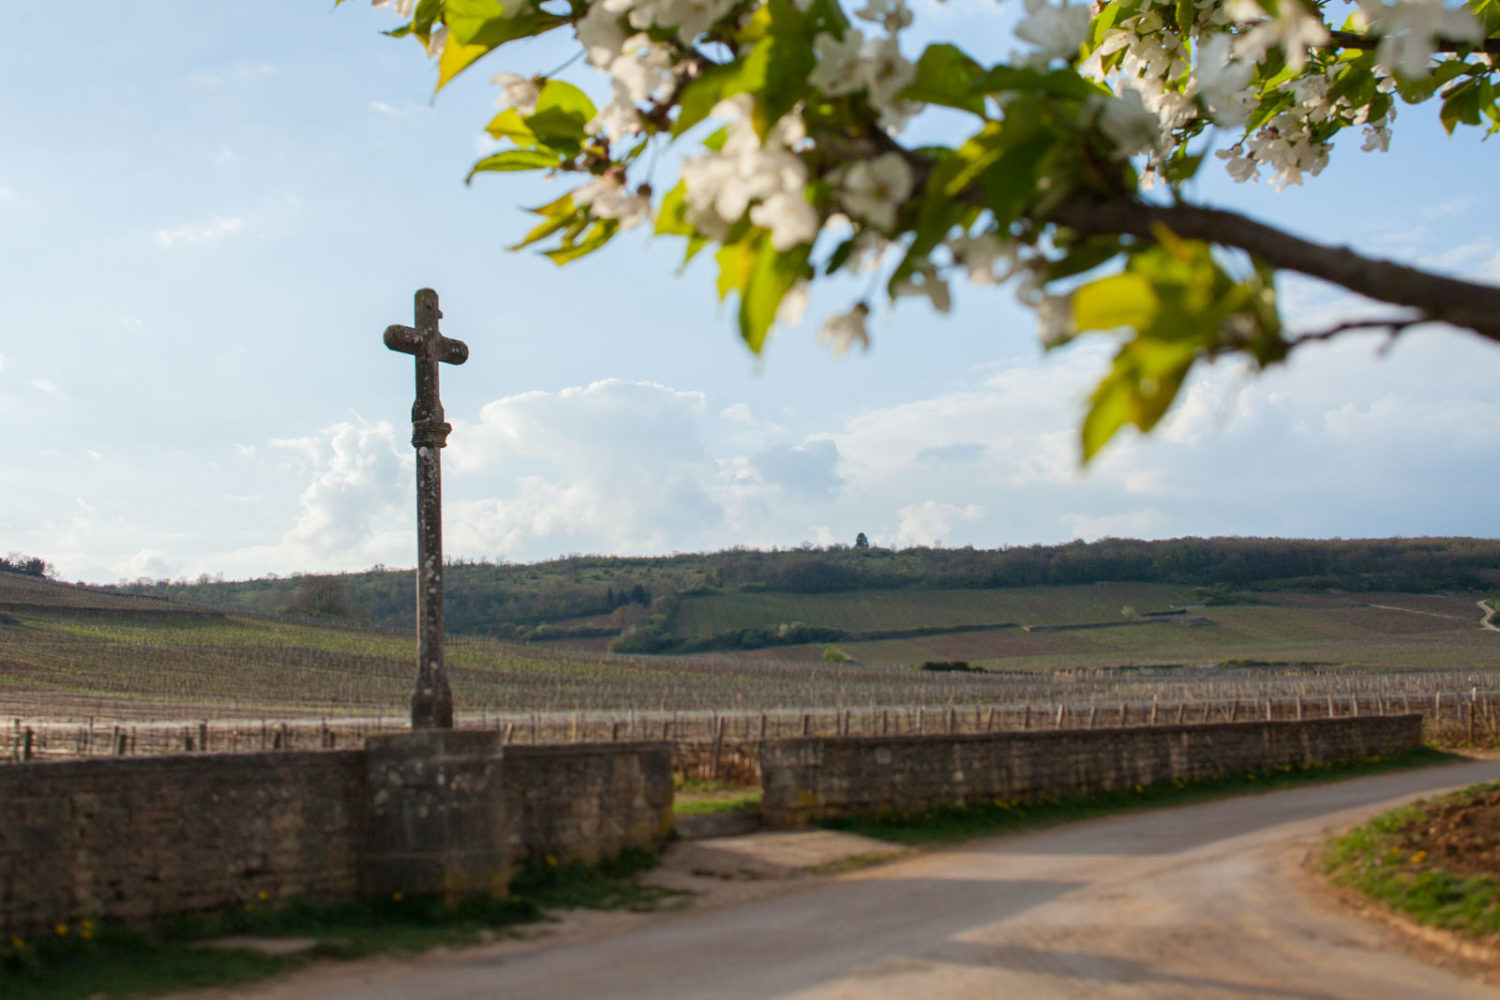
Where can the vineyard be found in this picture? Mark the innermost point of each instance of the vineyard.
(83, 672)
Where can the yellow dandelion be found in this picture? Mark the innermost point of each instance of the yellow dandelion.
(398, 896)
(551, 861)
(263, 895)
(1419, 857)
(62, 930)
(17, 943)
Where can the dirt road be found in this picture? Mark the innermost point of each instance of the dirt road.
(1204, 902)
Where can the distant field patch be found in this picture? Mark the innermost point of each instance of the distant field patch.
(872, 610)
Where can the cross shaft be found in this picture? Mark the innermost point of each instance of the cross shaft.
(432, 702)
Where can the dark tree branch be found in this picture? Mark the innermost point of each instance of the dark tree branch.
(1450, 300)
(1393, 325)
(1448, 46)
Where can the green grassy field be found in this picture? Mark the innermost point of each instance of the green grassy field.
(873, 610)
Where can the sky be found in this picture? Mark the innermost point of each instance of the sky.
(210, 212)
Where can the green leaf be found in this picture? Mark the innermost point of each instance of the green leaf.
(1138, 390)
(671, 218)
(840, 256)
(1009, 185)
(557, 214)
(1461, 105)
(515, 159)
(599, 234)
(772, 277)
(508, 125)
(562, 96)
(946, 76)
(562, 112)
(1059, 82)
(456, 58)
(477, 27)
(699, 97)
(543, 231)
(736, 264)
(1121, 300)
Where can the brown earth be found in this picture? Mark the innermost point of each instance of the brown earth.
(1459, 837)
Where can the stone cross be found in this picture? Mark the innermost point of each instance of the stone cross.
(432, 703)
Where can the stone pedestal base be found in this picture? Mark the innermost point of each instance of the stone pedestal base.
(437, 815)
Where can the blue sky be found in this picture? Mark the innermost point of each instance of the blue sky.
(209, 213)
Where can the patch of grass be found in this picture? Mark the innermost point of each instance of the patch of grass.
(85, 960)
(1371, 859)
(611, 885)
(954, 823)
(739, 801)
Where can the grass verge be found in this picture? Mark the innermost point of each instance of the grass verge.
(955, 823)
(744, 801)
(85, 960)
(1376, 859)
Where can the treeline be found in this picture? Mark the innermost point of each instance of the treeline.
(590, 594)
(25, 565)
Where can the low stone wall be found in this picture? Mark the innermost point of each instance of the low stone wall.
(138, 839)
(586, 802)
(810, 779)
(435, 812)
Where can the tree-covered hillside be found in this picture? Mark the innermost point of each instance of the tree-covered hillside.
(608, 595)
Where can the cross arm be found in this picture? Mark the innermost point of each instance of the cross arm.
(409, 341)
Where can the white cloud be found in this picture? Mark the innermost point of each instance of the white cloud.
(614, 466)
(930, 521)
(406, 108)
(1145, 522)
(206, 232)
(149, 563)
(356, 495)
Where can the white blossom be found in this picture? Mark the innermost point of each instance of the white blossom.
(1054, 317)
(1294, 29)
(886, 72)
(1239, 166)
(874, 190)
(517, 91)
(1409, 30)
(1128, 123)
(1377, 138)
(838, 70)
(436, 40)
(403, 8)
(600, 34)
(986, 258)
(793, 304)
(925, 281)
(789, 217)
(893, 15)
(1057, 32)
(608, 197)
(1220, 81)
(840, 332)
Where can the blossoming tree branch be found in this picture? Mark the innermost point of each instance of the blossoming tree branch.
(1067, 180)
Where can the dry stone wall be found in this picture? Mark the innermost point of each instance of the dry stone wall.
(141, 839)
(138, 839)
(811, 779)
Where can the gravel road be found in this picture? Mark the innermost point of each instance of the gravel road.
(1204, 902)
